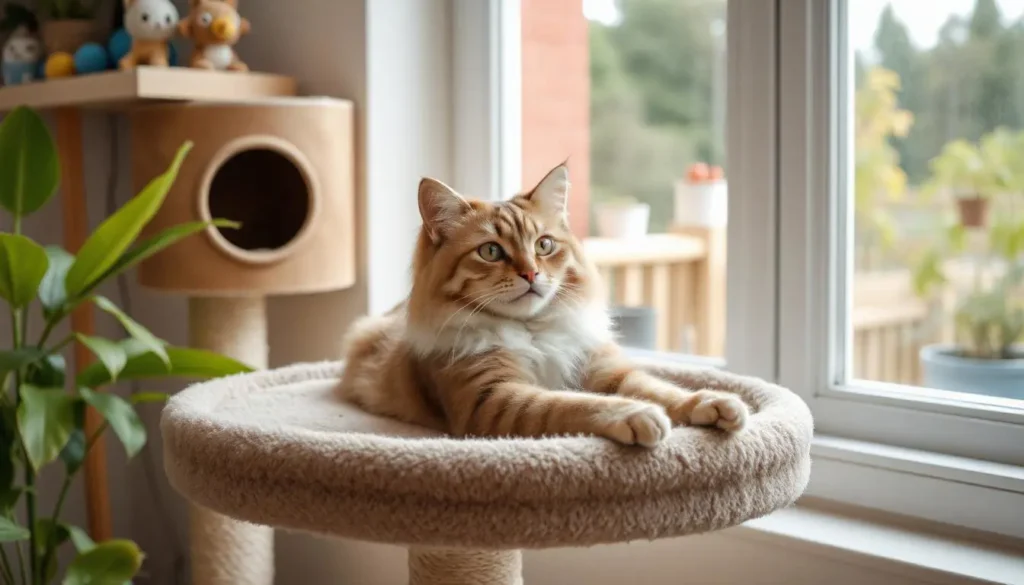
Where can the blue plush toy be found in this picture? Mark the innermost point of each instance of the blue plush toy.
(91, 58)
(119, 44)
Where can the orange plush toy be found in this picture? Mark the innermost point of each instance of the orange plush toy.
(214, 26)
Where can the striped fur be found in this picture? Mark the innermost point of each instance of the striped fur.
(505, 333)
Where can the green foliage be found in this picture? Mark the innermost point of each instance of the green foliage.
(108, 563)
(22, 267)
(989, 315)
(653, 113)
(40, 421)
(29, 159)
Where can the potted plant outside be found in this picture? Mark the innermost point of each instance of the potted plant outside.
(987, 312)
(69, 24)
(702, 197)
(620, 216)
(42, 405)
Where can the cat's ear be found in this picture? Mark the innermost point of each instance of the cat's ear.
(551, 195)
(441, 208)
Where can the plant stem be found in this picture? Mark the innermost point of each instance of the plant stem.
(17, 331)
(17, 224)
(62, 344)
(5, 561)
(21, 562)
(50, 549)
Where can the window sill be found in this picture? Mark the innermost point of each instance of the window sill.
(957, 491)
(933, 554)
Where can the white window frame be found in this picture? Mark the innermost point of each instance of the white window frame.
(945, 460)
(962, 461)
(487, 97)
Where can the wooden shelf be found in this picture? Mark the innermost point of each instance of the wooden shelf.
(122, 89)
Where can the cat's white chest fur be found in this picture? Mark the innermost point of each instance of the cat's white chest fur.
(554, 351)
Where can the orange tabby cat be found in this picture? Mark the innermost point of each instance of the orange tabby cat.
(505, 333)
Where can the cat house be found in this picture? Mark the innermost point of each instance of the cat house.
(282, 168)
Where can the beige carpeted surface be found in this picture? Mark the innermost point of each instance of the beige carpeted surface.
(276, 448)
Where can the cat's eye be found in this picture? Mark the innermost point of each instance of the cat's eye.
(544, 246)
(491, 252)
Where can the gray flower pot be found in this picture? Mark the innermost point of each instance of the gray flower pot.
(636, 326)
(944, 370)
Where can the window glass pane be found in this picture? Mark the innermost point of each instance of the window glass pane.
(640, 107)
(937, 188)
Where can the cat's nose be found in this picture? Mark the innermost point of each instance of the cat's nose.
(529, 276)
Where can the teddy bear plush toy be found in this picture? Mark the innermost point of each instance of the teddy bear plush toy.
(151, 24)
(215, 27)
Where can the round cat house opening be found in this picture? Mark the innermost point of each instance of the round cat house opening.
(267, 186)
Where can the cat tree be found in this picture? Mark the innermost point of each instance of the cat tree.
(277, 448)
(282, 168)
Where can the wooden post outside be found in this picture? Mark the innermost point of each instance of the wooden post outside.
(76, 229)
(710, 289)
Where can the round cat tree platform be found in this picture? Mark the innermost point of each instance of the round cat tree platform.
(276, 448)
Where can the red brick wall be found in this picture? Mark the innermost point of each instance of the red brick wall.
(556, 97)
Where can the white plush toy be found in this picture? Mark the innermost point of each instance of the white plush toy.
(21, 56)
(151, 24)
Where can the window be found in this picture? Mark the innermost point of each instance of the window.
(879, 215)
(935, 273)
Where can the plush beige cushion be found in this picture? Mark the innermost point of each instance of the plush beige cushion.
(277, 448)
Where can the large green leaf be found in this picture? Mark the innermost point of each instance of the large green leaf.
(28, 157)
(184, 362)
(164, 239)
(15, 359)
(11, 532)
(110, 353)
(82, 541)
(108, 563)
(46, 419)
(52, 293)
(22, 267)
(117, 233)
(122, 419)
(149, 341)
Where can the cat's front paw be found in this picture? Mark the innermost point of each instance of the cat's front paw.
(724, 411)
(636, 423)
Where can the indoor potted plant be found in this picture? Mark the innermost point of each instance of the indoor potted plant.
(41, 406)
(69, 24)
(988, 311)
(619, 216)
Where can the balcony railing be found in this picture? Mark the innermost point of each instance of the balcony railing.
(682, 277)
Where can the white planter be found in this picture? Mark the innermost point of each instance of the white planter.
(622, 220)
(704, 205)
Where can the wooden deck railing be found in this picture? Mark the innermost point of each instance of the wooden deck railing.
(682, 277)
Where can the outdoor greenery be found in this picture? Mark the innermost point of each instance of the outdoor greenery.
(933, 127)
(42, 428)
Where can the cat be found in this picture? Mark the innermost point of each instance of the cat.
(505, 333)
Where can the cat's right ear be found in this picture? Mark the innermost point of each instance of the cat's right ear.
(441, 209)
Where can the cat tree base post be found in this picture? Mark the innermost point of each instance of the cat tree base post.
(445, 566)
(226, 551)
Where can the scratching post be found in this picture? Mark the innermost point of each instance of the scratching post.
(440, 566)
(226, 551)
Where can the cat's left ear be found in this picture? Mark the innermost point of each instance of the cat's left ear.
(551, 195)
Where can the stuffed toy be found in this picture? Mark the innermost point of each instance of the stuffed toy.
(215, 26)
(151, 24)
